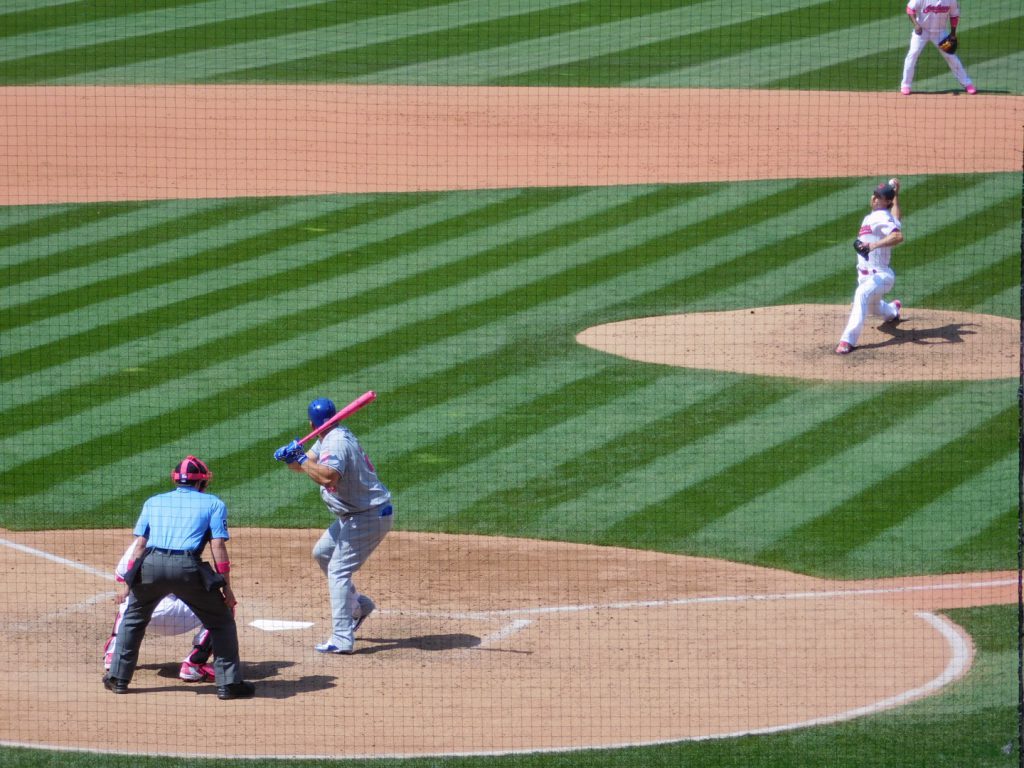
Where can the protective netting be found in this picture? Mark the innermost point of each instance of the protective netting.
(657, 463)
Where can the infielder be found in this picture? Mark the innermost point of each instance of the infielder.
(929, 18)
(170, 617)
(879, 233)
(352, 491)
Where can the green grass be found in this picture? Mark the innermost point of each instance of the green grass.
(491, 418)
(131, 333)
(456, 296)
(805, 44)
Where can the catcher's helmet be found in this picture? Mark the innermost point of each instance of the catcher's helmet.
(191, 471)
(320, 410)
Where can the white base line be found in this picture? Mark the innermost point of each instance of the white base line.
(685, 601)
(505, 632)
(57, 559)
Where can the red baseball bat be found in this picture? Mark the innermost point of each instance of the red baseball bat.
(344, 413)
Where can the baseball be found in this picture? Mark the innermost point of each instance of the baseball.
(892, 182)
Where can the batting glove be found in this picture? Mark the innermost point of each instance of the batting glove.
(295, 453)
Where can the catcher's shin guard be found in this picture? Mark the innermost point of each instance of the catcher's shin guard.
(202, 647)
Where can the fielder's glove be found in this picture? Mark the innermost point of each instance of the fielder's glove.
(861, 248)
(949, 43)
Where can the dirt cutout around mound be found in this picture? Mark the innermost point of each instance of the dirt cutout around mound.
(480, 645)
(799, 340)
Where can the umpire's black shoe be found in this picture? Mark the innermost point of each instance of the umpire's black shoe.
(239, 690)
(115, 684)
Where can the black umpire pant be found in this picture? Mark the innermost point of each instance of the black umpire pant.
(163, 573)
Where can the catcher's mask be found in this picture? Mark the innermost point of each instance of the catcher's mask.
(192, 471)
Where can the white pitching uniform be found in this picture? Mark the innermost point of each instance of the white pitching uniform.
(933, 16)
(875, 277)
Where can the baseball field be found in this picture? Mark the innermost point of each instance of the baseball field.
(593, 256)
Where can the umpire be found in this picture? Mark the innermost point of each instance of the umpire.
(170, 535)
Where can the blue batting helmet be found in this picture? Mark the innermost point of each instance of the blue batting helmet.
(320, 410)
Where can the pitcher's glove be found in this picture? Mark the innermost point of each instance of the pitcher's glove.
(861, 248)
(949, 43)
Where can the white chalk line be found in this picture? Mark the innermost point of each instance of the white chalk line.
(505, 632)
(958, 642)
(614, 606)
(88, 603)
(706, 600)
(57, 559)
(957, 666)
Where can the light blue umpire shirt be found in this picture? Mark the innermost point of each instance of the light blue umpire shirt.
(180, 518)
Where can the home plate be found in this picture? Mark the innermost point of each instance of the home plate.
(278, 625)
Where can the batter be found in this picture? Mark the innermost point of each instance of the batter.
(353, 492)
(929, 18)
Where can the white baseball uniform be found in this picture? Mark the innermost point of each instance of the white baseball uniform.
(171, 616)
(933, 17)
(875, 277)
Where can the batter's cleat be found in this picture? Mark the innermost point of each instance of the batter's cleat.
(971, 89)
(330, 647)
(844, 348)
(196, 673)
(239, 690)
(115, 684)
(905, 90)
(367, 606)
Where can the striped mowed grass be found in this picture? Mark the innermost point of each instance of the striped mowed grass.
(132, 332)
(659, 43)
(162, 325)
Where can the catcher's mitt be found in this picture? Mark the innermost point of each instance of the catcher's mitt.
(949, 43)
(861, 248)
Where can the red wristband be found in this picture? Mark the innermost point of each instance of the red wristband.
(224, 567)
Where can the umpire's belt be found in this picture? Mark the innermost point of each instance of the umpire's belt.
(163, 551)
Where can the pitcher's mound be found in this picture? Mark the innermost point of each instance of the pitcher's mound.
(798, 340)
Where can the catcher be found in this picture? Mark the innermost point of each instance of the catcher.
(930, 19)
(170, 617)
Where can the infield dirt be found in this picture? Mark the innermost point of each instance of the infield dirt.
(487, 644)
(480, 644)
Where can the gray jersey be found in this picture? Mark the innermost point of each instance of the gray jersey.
(359, 489)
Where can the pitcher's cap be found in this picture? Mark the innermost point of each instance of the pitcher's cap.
(885, 192)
